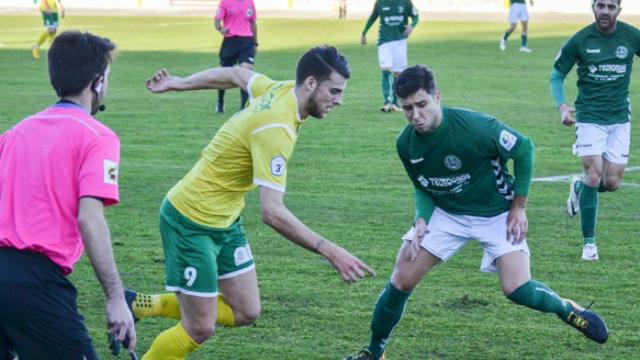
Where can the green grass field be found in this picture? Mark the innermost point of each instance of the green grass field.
(346, 182)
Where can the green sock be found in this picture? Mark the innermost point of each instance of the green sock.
(538, 296)
(386, 86)
(506, 35)
(386, 316)
(393, 91)
(588, 213)
(523, 39)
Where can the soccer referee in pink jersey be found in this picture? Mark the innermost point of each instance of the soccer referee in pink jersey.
(236, 21)
(58, 170)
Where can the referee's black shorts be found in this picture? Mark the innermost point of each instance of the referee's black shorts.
(39, 318)
(236, 50)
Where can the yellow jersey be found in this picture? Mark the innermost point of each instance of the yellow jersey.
(53, 5)
(250, 149)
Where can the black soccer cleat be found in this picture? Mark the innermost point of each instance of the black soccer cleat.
(588, 322)
(130, 296)
(363, 354)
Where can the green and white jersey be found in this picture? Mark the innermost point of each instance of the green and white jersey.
(394, 16)
(604, 72)
(462, 165)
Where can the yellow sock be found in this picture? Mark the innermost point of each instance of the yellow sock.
(166, 305)
(42, 38)
(172, 344)
(225, 313)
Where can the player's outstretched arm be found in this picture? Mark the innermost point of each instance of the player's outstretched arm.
(217, 78)
(276, 215)
(97, 242)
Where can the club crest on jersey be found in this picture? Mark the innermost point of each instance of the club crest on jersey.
(110, 172)
(249, 13)
(424, 182)
(622, 52)
(507, 140)
(452, 162)
(277, 166)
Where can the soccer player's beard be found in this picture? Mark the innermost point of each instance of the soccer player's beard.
(314, 108)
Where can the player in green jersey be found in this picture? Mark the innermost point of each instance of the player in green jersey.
(392, 42)
(604, 53)
(517, 12)
(457, 162)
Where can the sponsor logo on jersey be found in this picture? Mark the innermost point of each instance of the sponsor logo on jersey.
(278, 165)
(452, 162)
(415, 161)
(110, 172)
(593, 51)
(622, 52)
(385, 8)
(450, 181)
(615, 68)
(593, 69)
(400, 9)
(424, 182)
(507, 140)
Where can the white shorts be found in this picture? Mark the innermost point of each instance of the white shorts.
(608, 141)
(448, 233)
(393, 55)
(518, 12)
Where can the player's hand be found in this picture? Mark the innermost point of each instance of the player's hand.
(62, 12)
(224, 31)
(350, 268)
(363, 40)
(420, 231)
(407, 31)
(517, 225)
(120, 322)
(567, 115)
(161, 82)
(531, 2)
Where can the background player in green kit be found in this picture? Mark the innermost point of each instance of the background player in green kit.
(392, 42)
(517, 12)
(457, 162)
(604, 53)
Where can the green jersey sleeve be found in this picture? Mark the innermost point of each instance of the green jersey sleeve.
(413, 13)
(505, 143)
(372, 18)
(568, 56)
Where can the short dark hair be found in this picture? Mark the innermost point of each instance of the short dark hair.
(76, 59)
(413, 79)
(320, 62)
(593, 2)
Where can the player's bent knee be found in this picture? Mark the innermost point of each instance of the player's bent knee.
(247, 317)
(591, 179)
(200, 332)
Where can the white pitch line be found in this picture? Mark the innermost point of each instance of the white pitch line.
(563, 178)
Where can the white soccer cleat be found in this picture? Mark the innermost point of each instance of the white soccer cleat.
(573, 201)
(590, 252)
(525, 49)
(503, 44)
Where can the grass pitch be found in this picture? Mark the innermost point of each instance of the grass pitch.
(346, 182)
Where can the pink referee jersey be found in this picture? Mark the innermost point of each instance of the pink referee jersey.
(237, 16)
(47, 163)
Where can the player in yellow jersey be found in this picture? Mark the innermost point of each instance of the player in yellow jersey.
(206, 250)
(50, 10)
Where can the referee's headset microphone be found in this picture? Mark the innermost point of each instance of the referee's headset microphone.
(97, 89)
